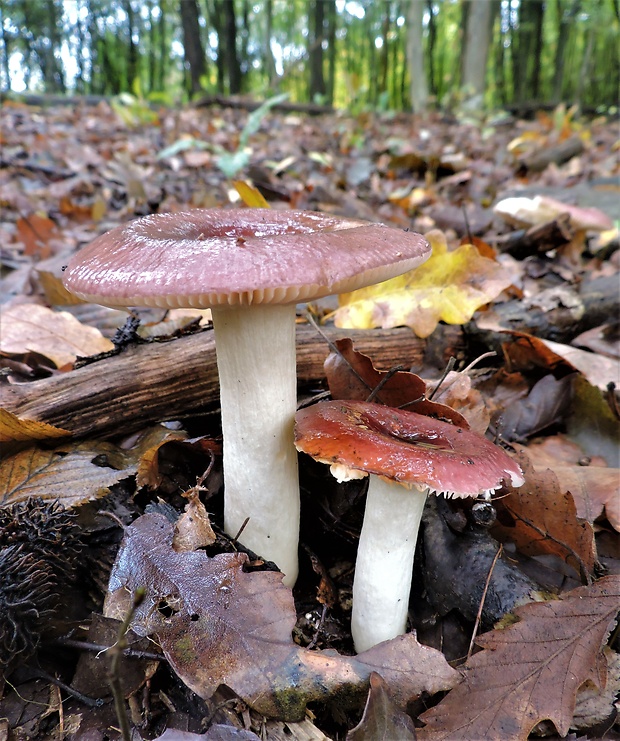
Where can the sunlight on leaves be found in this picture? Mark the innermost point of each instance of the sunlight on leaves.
(449, 286)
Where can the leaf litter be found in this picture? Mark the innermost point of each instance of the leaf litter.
(558, 529)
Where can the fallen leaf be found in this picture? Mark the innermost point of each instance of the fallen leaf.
(13, 429)
(70, 474)
(382, 720)
(35, 231)
(55, 334)
(193, 529)
(250, 195)
(598, 369)
(219, 625)
(351, 375)
(530, 671)
(597, 704)
(540, 517)
(449, 286)
(592, 424)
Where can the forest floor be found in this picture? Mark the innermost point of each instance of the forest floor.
(100, 457)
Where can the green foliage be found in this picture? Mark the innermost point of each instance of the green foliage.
(552, 51)
(230, 163)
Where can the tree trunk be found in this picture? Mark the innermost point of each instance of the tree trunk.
(565, 20)
(415, 55)
(476, 49)
(332, 20)
(315, 49)
(132, 55)
(268, 58)
(192, 44)
(230, 48)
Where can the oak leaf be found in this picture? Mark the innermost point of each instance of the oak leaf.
(540, 517)
(449, 286)
(219, 625)
(531, 671)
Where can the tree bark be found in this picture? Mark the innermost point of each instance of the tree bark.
(192, 43)
(153, 382)
(315, 49)
(476, 50)
(415, 55)
(233, 68)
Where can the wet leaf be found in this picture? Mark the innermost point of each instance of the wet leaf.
(531, 671)
(55, 334)
(449, 286)
(220, 625)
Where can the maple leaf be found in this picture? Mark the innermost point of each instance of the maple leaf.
(449, 286)
(220, 625)
(531, 671)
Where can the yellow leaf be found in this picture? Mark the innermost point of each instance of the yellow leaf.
(449, 286)
(14, 429)
(250, 195)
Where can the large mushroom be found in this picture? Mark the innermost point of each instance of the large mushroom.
(251, 266)
(407, 456)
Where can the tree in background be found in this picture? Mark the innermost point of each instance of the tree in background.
(400, 54)
(415, 55)
(479, 17)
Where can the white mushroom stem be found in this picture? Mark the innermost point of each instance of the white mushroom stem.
(384, 564)
(258, 395)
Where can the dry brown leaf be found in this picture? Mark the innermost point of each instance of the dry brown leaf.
(531, 671)
(540, 517)
(351, 375)
(55, 334)
(598, 369)
(35, 232)
(382, 720)
(193, 529)
(456, 391)
(219, 625)
(70, 474)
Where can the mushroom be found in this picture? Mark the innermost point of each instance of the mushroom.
(250, 266)
(406, 456)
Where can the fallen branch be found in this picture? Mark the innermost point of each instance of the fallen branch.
(169, 380)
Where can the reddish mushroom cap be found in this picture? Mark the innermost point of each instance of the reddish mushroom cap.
(404, 446)
(212, 257)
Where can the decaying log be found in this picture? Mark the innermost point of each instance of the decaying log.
(168, 380)
(559, 154)
(562, 313)
(247, 104)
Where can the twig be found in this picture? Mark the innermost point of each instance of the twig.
(131, 653)
(449, 366)
(482, 600)
(115, 656)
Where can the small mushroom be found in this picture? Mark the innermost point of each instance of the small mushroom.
(407, 456)
(251, 266)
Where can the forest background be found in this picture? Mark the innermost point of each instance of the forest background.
(353, 55)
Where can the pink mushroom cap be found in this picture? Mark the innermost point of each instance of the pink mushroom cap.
(406, 447)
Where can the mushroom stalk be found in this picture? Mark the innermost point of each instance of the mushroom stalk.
(384, 564)
(256, 361)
